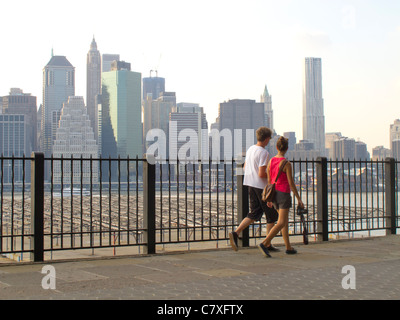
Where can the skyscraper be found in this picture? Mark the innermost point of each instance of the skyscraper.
(237, 119)
(156, 115)
(189, 116)
(58, 85)
(394, 131)
(107, 60)
(121, 126)
(93, 84)
(153, 85)
(75, 138)
(269, 114)
(313, 105)
(13, 143)
(18, 102)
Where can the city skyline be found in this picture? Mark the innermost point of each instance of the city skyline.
(219, 51)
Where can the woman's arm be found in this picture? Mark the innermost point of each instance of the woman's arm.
(269, 204)
(289, 174)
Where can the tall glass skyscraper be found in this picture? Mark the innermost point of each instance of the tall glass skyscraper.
(58, 85)
(313, 105)
(121, 133)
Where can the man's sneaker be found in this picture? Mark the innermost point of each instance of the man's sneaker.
(264, 250)
(233, 237)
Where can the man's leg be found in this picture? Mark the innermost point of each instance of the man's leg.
(256, 212)
(243, 225)
(234, 236)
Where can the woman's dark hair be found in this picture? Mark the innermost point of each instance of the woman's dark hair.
(282, 144)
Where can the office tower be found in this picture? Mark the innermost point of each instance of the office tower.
(121, 128)
(39, 126)
(156, 116)
(14, 142)
(395, 149)
(18, 102)
(344, 149)
(330, 138)
(75, 138)
(395, 130)
(153, 85)
(361, 152)
(269, 114)
(188, 120)
(98, 125)
(313, 105)
(380, 153)
(107, 60)
(291, 136)
(394, 135)
(238, 119)
(304, 149)
(93, 84)
(58, 85)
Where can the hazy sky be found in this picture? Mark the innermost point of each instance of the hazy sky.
(213, 51)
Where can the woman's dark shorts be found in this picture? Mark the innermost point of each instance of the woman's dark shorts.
(282, 200)
(258, 207)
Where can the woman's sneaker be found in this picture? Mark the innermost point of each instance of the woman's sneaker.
(271, 248)
(233, 237)
(291, 251)
(264, 250)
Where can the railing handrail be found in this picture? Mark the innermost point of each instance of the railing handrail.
(155, 183)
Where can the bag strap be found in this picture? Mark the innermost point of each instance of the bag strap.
(281, 169)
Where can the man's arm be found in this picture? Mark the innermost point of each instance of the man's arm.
(262, 172)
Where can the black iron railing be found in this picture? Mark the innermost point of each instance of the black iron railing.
(53, 204)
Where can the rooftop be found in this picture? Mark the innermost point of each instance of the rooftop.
(59, 61)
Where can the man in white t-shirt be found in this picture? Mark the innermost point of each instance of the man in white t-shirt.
(255, 178)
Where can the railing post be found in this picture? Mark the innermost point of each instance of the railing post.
(322, 198)
(37, 206)
(242, 203)
(390, 195)
(149, 205)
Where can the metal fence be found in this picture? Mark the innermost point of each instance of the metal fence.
(52, 204)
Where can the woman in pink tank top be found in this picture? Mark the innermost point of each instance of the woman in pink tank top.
(283, 199)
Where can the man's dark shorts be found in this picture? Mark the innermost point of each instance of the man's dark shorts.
(258, 207)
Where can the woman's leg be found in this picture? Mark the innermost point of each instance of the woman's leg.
(282, 221)
(285, 233)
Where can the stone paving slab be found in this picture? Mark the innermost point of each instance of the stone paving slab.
(315, 273)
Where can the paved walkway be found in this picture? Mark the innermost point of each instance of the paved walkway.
(316, 273)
